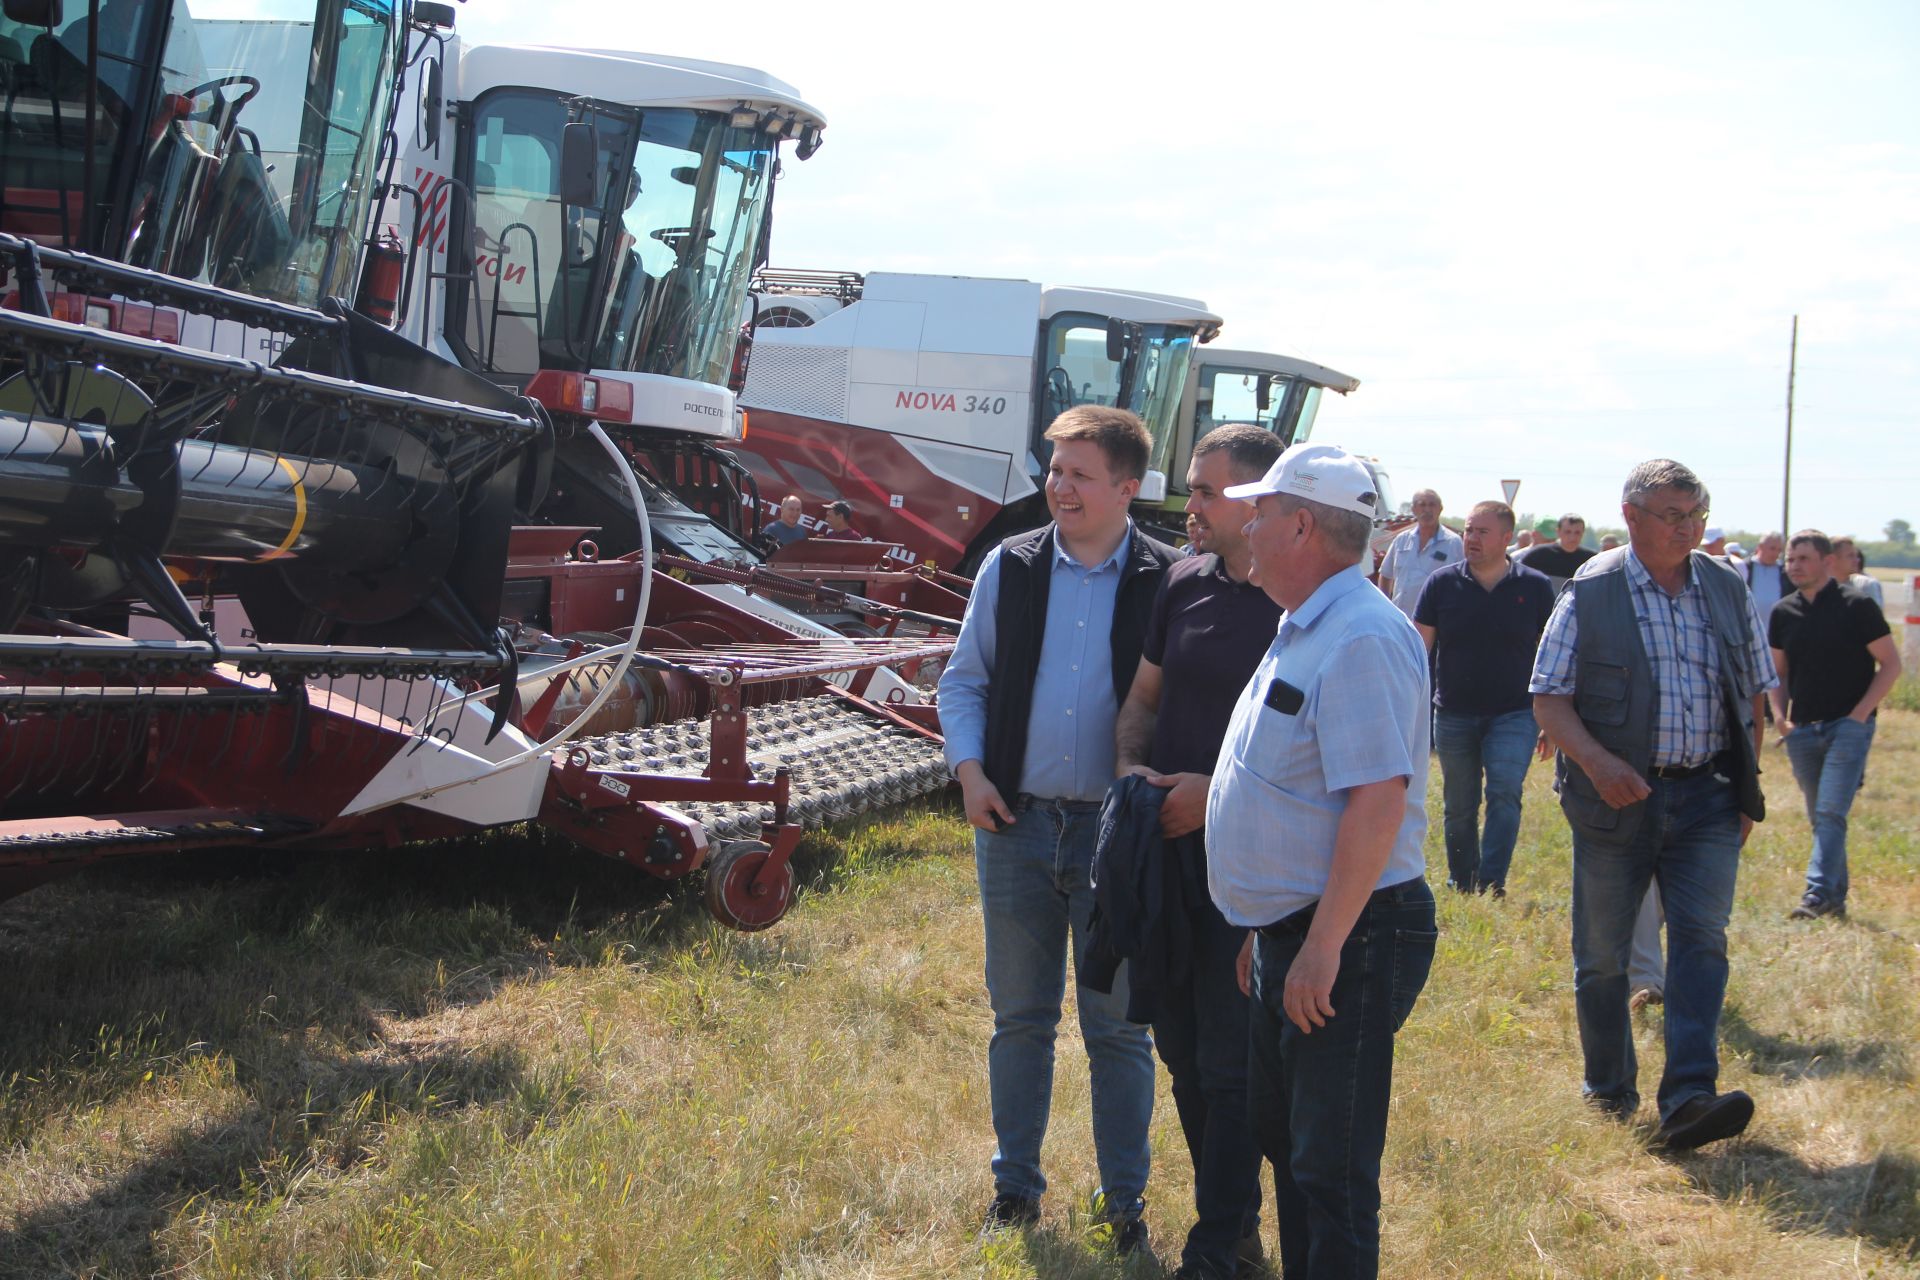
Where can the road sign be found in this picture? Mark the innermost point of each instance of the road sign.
(1511, 488)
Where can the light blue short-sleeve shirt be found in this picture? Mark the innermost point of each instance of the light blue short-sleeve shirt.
(1409, 564)
(1282, 782)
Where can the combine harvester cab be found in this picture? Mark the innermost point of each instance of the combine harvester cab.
(582, 227)
(258, 600)
(1276, 393)
(921, 400)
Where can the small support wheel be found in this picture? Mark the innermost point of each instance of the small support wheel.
(732, 896)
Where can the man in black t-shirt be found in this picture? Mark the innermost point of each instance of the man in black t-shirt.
(1836, 659)
(1482, 620)
(1209, 629)
(1560, 559)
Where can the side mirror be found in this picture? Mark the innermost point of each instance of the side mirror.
(1116, 340)
(1263, 392)
(1153, 488)
(579, 166)
(432, 105)
(428, 14)
(37, 13)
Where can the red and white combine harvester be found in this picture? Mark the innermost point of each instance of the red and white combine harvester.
(921, 400)
(260, 581)
(581, 226)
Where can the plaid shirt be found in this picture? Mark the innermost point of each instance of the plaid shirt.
(1690, 719)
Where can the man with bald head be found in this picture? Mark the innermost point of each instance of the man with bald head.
(1766, 573)
(1415, 553)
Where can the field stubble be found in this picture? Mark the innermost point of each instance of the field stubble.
(507, 1061)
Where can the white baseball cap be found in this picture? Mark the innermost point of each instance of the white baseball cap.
(1322, 473)
(1713, 533)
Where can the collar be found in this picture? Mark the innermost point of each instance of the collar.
(1513, 567)
(1324, 597)
(1643, 581)
(1218, 570)
(1117, 560)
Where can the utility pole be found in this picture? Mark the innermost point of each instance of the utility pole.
(1786, 480)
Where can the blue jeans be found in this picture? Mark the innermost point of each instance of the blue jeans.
(1201, 1034)
(1034, 895)
(1688, 843)
(1829, 759)
(1319, 1102)
(1499, 748)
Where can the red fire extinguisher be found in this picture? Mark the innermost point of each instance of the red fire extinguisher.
(380, 278)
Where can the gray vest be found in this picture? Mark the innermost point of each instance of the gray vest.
(1616, 699)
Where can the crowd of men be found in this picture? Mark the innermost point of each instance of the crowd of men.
(1201, 781)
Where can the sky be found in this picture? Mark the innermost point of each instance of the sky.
(1550, 240)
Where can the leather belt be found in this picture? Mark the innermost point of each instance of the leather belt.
(1673, 771)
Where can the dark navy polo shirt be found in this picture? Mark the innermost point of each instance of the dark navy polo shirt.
(1484, 641)
(1825, 640)
(1207, 633)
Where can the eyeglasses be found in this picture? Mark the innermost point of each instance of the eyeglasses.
(1674, 519)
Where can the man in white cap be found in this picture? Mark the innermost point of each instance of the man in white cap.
(1713, 541)
(1315, 820)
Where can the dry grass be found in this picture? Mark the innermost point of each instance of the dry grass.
(444, 1063)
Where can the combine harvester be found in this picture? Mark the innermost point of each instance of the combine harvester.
(581, 226)
(921, 400)
(273, 598)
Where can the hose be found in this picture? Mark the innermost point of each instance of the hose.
(494, 768)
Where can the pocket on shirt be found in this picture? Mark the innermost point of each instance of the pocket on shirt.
(1279, 744)
(1600, 693)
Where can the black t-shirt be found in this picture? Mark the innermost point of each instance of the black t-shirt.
(1484, 641)
(1207, 633)
(1554, 560)
(1825, 640)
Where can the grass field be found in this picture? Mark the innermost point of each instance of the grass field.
(505, 1061)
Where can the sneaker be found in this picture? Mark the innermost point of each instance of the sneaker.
(1642, 997)
(1009, 1212)
(1701, 1120)
(1813, 907)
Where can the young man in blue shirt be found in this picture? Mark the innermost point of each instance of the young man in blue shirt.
(1047, 649)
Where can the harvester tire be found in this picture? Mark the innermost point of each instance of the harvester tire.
(730, 888)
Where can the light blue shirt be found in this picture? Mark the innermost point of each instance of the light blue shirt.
(1070, 747)
(1409, 564)
(1281, 786)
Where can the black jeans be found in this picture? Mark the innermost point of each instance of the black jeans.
(1202, 1037)
(1319, 1101)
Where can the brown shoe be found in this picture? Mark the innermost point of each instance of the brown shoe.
(1642, 997)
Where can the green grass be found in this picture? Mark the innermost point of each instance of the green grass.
(505, 1060)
